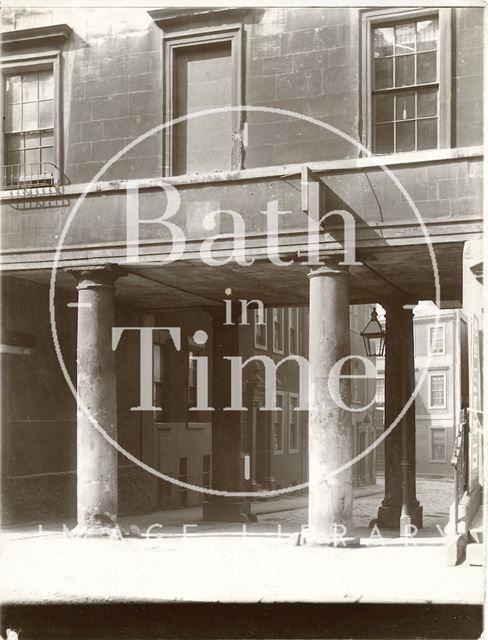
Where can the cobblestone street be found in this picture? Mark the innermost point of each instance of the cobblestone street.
(435, 495)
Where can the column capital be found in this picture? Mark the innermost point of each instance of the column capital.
(332, 267)
(97, 276)
(399, 305)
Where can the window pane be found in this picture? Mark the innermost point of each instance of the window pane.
(383, 41)
(384, 138)
(405, 136)
(32, 140)
(427, 103)
(405, 70)
(427, 134)
(427, 67)
(47, 138)
(46, 114)
(46, 85)
(47, 156)
(29, 116)
(405, 39)
(383, 73)
(437, 397)
(380, 391)
(15, 141)
(426, 34)
(438, 440)
(13, 117)
(436, 339)
(405, 106)
(383, 108)
(14, 157)
(33, 156)
(13, 89)
(29, 87)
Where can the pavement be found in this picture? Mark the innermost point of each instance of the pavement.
(182, 559)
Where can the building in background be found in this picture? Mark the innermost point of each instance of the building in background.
(441, 352)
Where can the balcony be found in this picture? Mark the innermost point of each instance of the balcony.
(29, 176)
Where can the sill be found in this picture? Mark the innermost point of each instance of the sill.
(291, 451)
(437, 461)
(260, 347)
(267, 172)
(278, 453)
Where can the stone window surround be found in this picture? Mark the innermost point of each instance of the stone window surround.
(294, 312)
(281, 414)
(17, 57)
(431, 459)
(441, 326)
(280, 312)
(195, 37)
(43, 61)
(263, 347)
(369, 19)
(444, 376)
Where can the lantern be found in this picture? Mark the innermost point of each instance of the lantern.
(374, 337)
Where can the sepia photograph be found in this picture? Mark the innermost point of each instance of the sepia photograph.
(242, 317)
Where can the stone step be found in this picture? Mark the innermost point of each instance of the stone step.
(475, 553)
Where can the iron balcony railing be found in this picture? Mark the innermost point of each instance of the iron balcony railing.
(29, 176)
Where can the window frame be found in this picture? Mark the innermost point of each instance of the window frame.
(274, 413)
(193, 38)
(429, 341)
(355, 382)
(262, 347)
(30, 63)
(380, 407)
(441, 374)
(372, 17)
(194, 415)
(207, 473)
(183, 491)
(282, 311)
(160, 339)
(431, 458)
(291, 311)
(291, 412)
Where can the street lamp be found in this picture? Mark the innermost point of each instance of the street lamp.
(374, 337)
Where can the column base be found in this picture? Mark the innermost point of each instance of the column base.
(101, 526)
(309, 539)
(389, 516)
(228, 511)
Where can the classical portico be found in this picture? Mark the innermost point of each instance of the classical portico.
(392, 266)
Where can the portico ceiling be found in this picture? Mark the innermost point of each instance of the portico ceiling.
(402, 272)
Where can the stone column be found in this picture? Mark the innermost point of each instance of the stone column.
(399, 385)
(330, 425)
(96, 386)
(227, 429)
